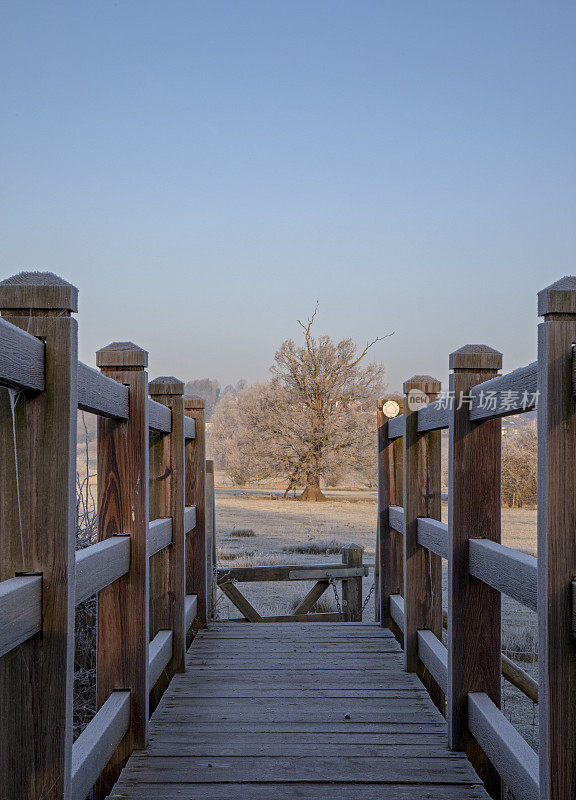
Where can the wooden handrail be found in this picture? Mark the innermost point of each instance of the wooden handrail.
(21, 358)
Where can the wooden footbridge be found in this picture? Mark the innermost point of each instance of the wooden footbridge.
(268, 708)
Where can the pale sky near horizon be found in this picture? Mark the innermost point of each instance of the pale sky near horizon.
(205, 171)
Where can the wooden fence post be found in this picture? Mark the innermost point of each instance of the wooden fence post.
(167, 589)
(38, 535)
(123, 509)
(389, 550)
(474, 647)
(195, 495)
(556, 539)
(210, 537)
(352, 587)
(422, 498)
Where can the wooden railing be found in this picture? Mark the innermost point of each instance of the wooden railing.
(464, 676)
(148, 567)
(350, 573)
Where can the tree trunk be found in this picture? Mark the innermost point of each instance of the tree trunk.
(312, 491)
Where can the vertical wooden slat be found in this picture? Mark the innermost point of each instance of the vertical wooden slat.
(167, 587)
(210, 537)
(195, 495)
(556, 540)
(422, 498)
(352, 587)
(36, 678)
(390, 550)
(123, 508)
(474, 511)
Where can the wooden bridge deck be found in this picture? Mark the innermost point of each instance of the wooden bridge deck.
(279, 711)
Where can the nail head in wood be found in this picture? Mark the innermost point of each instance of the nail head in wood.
(38, 290)
(193, 402)
(166, 385)
(475, 357)
(121, 355)
(558, 298)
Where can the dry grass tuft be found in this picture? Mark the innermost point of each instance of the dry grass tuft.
(318, 547)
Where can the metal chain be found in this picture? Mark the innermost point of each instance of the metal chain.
(332, 583)
(367, 598)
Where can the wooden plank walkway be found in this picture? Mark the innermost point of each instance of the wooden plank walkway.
(294, 710)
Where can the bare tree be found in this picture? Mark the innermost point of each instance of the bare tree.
(519, 457)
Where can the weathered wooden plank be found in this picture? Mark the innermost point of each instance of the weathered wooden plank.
(313, 769)
(101, 395)
(122, 661)
(311, 598)
(159, 417)
(556, 540)
(514, 759)
(434, 416)
(513, 393)
(396, 518)
(159, 655)
(96, 744)
(292, 791)
(333, 616)
(433, 535)
(189, 428)
(519, 678)
(513, 573)
(20, 611)
(101, 564)
(159, 535)
(397, 609)
(189, 518)
(190, 605)
(240, 601)
(21, 358)
(195, 495)
(434, 656)
(210, 522)
(290, 572)
(38, 532)
(396, 427)
(474, 510)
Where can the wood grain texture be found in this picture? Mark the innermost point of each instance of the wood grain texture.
(514, 759)
(433, 535)
(159, 655)
(167, 578)
(259, 730)
(101, 564)
(556, 541)
(20, 611)
(514, 393)
(189, 518)
(159, 417)
(433, 417)
(36, 751)
(159, 535)
(101, 395)
(434, 656)
(94, 747)
(352, 587)
(123, 508)
(474, 511)
(291, 572)
(390, 547)
(513, 573)
(21, 358)
(195, 495)
(422, 498)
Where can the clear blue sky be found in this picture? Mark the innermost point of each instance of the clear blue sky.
(205, 171)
